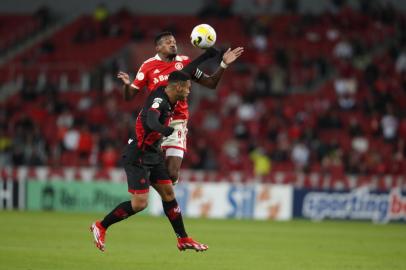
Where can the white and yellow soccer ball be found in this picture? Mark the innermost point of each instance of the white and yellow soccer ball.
(203, 36)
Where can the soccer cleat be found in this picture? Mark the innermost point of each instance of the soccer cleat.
(188, 243)
(99, 234)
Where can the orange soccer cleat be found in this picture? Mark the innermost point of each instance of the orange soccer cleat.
(188, 243)
(99, 234)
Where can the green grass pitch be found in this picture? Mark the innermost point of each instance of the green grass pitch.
(37, 240)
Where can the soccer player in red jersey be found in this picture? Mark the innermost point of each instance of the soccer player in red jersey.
(144, 164)
(154, 72)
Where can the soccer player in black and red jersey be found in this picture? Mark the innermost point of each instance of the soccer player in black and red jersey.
(143, 156)
(154, 72)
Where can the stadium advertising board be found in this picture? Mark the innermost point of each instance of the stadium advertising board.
(225, 200)
(75, 196)
(12, 190)
(358, 204)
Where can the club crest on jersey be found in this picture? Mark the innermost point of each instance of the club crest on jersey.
(155, 105)
(140, 76)
(178, 65)
(157, 100)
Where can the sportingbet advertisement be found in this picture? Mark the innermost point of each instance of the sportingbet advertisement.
(225, 200)
(358, 204)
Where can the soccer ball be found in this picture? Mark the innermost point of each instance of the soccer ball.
(203, 36)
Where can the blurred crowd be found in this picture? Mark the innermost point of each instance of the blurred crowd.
(313, 93)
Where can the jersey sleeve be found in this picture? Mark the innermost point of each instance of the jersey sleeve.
(197, 73)
(158, 107)
(141, 78)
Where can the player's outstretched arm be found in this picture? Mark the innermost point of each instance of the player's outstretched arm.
(192, 66)
(228, 58)
(129, 91)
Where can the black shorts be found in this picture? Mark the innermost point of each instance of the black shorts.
(140, 176)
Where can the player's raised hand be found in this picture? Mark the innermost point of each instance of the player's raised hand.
(124, 77)
(231, 55)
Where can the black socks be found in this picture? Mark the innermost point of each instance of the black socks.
(172, 211)
(121, 212)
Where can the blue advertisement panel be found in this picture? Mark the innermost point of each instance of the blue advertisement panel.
(358, 204)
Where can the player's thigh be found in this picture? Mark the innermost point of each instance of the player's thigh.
(161, 182)
(159, 174)
(137, 178)
(178, 139)
(137, 174)
(173, 164)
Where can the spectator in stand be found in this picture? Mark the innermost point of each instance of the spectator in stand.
(262, 84)
(389, 124)
(101, 13)
(261, 161)
(70, 140)
(343, 49)
(300, 156)
(206, 159)
(400, 64)
(346, 87)
(329, 120)
(281, 151)
(279, 80)
(109, 157)
(85, 144)
(44, 16)
(85, 34)
(5, 146)
(35, 150)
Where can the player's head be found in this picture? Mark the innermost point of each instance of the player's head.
(179, 82)
(165, 44)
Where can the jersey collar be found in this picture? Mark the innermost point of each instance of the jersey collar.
(177, 58)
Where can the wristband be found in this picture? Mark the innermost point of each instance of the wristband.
(223, 65)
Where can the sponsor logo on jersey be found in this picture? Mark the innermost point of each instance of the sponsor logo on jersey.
(161, 78)
(178, 65)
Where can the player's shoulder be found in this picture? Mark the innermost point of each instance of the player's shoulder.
(159, 96)
(182, 57)
(149, 60)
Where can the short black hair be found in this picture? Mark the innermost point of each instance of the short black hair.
(178, 76)
(161, 35)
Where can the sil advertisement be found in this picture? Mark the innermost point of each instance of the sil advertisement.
(225, 200)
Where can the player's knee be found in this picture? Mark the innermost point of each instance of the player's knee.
(139, 204)
(168, 195)
(173, 174)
